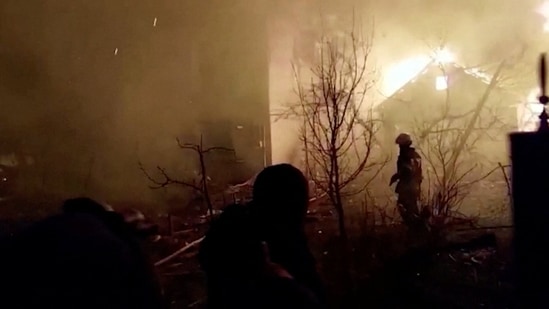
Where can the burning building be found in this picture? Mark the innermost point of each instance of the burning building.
(445, 92)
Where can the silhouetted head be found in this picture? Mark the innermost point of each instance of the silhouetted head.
(85, 205)
(85, 257)
(281, 194)
(403, 140)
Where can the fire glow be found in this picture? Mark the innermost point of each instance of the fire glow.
(528, 113)
(543, 10)
(400, 73)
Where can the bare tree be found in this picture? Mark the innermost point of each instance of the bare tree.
(199, 185)
(338, 128)
(448, 144)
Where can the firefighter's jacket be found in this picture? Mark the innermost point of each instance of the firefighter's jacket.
(409, 171)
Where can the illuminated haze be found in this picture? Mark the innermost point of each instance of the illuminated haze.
(104, 84)
(407, 32)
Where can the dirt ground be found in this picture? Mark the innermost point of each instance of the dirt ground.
(389, 269)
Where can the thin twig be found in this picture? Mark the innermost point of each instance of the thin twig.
(158, 184)
(178, 252)
(496, 227)
(507, 182)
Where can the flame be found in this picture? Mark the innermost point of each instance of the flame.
(441, 83)
(528, 112)
(543, 10)
(400, 73)
(443, 55)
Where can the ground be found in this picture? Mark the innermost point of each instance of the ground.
(388, 268)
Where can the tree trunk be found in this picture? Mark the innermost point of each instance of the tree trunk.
(346, 252)
(335, 198)
(338, 202)
(205, 190)
(341, 221)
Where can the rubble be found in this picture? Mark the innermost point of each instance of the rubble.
(478, 257)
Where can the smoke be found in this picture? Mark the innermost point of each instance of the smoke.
(406, 32)
(89, 114)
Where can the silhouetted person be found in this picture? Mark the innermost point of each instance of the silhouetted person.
(280, 202)
(409, 176)
(233, 252)
(86, 257)
(277, 288)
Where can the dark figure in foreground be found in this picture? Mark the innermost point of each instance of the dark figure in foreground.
(409, 176)
(256, 255)
(86, 257)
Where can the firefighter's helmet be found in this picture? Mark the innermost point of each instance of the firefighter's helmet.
(403, 139)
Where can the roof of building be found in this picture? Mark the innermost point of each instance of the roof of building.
(451, 69)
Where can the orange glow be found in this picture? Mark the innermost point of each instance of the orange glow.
(543, 10)
(528, 113)
(397, 75)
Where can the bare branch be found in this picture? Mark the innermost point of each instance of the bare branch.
(448, 145)
(201, 186)
(217, 149)
(337, 133)
(166, 179)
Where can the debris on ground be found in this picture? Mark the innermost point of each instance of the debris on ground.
(479, 256)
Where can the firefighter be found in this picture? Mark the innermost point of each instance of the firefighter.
(409, 176)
